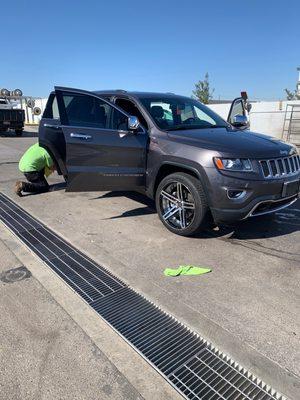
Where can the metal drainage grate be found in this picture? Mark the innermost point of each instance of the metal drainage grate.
(192, 365)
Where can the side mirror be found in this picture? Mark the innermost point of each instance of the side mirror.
(133, 123)
(240, 121)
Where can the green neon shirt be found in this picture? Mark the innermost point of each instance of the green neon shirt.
(35, 159)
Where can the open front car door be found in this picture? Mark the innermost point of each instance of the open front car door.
(103, 150)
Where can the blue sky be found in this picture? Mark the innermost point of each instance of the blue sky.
(151, 45)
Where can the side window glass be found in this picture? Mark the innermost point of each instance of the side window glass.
(131, 109)
(51, 109)
(55, 112)
(119, 121)
(237, 109)
(84, 110)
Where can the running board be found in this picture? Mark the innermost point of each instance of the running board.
(192, 365)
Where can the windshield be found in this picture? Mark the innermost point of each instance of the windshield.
(175, 113)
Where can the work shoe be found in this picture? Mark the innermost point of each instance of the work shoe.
(19, 188)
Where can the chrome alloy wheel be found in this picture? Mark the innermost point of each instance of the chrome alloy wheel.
(177, 205)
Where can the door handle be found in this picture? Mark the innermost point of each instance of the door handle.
(80, 136)
(52, 126)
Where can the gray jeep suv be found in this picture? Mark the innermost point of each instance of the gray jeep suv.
(172, 148)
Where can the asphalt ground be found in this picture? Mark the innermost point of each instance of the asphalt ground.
(248, 306)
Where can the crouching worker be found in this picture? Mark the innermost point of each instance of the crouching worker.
(35, 164)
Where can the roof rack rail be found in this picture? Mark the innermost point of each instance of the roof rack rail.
(121, 90)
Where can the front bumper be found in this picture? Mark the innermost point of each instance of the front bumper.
(262, 207)
(260, 197)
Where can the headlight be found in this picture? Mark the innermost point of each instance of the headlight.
(295, 149)
(233, 164)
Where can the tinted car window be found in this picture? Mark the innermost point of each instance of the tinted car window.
(119, 121)
(172, 113)
(51, 110)
(131, 109)
(83, 110)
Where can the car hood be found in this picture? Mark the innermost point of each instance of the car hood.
(234, 142)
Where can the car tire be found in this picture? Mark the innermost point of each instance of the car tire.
(19, 132)
(181, 204)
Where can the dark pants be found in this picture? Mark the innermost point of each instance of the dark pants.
(36, 182)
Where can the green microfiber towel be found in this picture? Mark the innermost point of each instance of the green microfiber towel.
(186, 270)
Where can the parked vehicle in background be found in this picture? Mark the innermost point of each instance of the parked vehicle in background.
(11, 118)
(172, 148)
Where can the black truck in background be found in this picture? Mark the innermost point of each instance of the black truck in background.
(11, 118)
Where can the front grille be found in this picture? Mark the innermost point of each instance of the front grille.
(279, 167)
(193, 366)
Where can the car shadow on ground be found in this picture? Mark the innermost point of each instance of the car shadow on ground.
(281, 223)
(148, 209)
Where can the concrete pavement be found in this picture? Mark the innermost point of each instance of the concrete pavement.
(248, 306)
(44, 354)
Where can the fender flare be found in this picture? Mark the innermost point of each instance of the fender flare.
(199, 172)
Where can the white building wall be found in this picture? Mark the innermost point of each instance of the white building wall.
(265, 116)
(30, 118)
(41, 103)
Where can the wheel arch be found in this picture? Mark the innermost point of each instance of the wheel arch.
(170, 167)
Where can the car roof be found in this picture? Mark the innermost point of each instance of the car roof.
(133, 94)
(136, 94)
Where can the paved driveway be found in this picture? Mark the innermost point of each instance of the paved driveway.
(248, 306)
